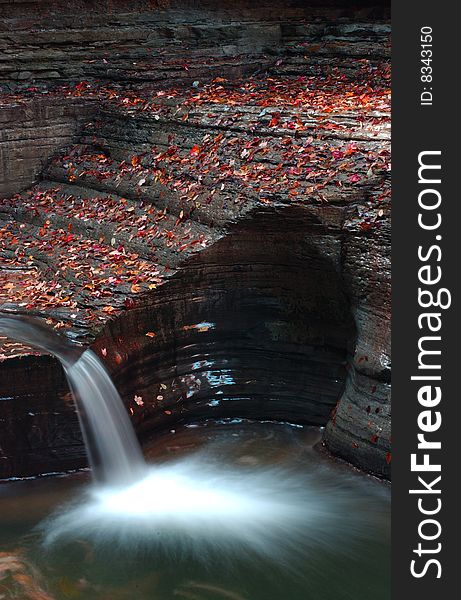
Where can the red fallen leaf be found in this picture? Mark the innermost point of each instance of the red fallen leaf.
(351, 149)
(150, 334)
(108, 309)
(354, 178)
(195, 150)
(374, 439)
(275, 119)
(135, 160)
(139, 400)
(355, 445)
(167, 412)
(366, 226)
(129, 303)
(185, 67)
(388, 457)
(117, 358)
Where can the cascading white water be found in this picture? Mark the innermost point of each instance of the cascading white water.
(197, 505)
(113, 450)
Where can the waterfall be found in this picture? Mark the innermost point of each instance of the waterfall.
(202, 504)
(113, 450)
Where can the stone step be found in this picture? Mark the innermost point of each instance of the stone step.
(142, 227)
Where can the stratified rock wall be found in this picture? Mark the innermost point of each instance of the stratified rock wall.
(30, 132)
(222, 173)
(40, 432)
(55, 41)
(257, 326)
(360, 428)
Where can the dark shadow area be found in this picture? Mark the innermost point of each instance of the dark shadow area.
(258, 326)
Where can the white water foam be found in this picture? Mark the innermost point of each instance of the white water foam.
(194, 506)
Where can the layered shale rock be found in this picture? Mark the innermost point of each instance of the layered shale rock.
(222, 242)
(115, 40)
(32, 131)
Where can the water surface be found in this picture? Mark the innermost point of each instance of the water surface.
(339, 552)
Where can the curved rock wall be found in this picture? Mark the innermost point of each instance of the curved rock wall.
(360, 428)
(235, 232)
(258, 326)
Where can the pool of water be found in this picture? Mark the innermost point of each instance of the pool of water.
(339, 550)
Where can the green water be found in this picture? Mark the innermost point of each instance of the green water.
(346, 558)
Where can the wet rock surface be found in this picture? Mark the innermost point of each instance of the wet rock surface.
(221, 241)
